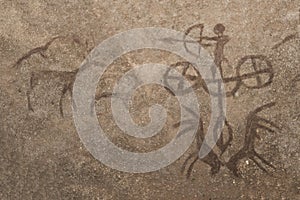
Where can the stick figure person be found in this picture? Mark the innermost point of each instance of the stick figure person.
(221, 41)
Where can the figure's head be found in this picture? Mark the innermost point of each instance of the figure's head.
(219, 29)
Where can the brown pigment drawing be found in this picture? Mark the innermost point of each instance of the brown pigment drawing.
(285, 40)
(212, 159)
(259, 64)
(38, 50)
(253, 123)
(289, 37)
(67, 78)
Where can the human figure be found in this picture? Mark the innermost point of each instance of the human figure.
(221, 41)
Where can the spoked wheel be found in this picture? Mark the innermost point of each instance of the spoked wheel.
(182, 67)
(197, 80)
(255, 71)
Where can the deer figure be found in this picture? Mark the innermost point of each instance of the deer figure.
(66, 78)
(253, 122)
(212, 159)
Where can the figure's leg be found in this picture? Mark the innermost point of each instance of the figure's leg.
(221, 144)
(268, 122)
(263, 160)
(189, 171)
(28, 92)
(232, 164)
(259, 165)
(64, 91)
(28, 101)
(213, 161)
(230, 137)
(264, 128)
(72, 99)
(259, 109)
(186, 161)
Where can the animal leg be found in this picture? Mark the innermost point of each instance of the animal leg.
(186, 161)
(64, 91)
(189, 171)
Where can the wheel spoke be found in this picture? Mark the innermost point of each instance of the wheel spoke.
(255, 67)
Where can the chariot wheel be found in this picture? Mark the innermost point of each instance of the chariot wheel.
(183, 68)
(255, 71)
